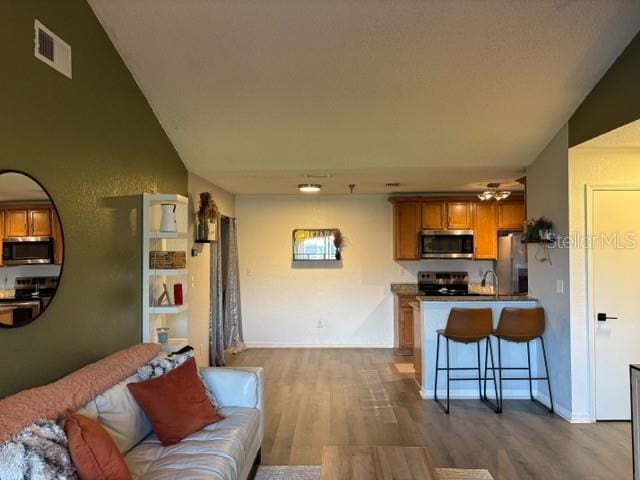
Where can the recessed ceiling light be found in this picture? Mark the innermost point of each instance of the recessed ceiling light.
(309, 187)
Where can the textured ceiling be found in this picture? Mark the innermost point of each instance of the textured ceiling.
(436, 95)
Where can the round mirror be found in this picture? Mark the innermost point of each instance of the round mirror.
(32, 249)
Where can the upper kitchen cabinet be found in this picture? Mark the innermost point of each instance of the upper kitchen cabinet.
(40, 220)
(16, 223)
(511, 215)
(485, 234)
(463, 212)
(28, 222)
(446, 215)
(459, 215)
(433, 215)
(406, 220)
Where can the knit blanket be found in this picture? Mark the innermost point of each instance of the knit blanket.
(39, 452)
(75, 390)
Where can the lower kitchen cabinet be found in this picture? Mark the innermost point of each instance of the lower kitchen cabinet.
(417, 342)
(403, 324)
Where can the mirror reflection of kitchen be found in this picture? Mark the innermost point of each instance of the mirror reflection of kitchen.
(32, 249)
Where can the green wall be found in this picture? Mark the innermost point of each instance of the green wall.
(96, 145)
(613, 102)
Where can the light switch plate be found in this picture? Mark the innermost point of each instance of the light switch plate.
(560, 286)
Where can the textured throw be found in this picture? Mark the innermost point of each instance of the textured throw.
(71, 392)
(39, 452)
(165, 363)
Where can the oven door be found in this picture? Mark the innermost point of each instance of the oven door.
(27, 250)
(446, 244)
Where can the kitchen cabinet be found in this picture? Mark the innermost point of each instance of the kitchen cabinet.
(417, 344)
(442, 215)
(1, 234)
(40, 222)
(459, 215)
(511, 215)
(27, 222)
(406, 218)
(485, 233)
(433, 215)
(465, 212)
(403, 324)
(56, 234)
(16, 223)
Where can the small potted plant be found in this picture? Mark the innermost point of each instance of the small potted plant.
(207, 214)
(338, 242)
(538, 230)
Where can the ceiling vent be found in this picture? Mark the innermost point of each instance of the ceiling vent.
(51, 49)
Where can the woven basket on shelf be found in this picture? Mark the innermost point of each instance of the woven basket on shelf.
(167, 260)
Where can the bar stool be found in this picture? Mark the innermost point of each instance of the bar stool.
(467, 325)
(522, 325)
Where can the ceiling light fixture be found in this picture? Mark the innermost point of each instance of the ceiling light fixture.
(493, 193)
(309, 187)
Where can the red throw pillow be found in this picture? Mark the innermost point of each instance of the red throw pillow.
(93, 451)
(175, 403)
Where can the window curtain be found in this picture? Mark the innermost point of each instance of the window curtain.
(225, 327)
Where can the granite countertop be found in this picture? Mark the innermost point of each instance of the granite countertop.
(404, 288)
(477, 298)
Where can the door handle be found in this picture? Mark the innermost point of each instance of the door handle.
(602, 317)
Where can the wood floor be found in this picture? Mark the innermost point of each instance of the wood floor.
(318, 397)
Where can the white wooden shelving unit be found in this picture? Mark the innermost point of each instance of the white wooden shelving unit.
(155, 316)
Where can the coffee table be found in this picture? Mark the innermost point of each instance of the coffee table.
(376, 463)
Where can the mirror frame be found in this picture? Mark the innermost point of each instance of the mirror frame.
(64, 246)
(337, 258)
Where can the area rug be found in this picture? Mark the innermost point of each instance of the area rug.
(313, 473)
(403, 368)
(288, 473)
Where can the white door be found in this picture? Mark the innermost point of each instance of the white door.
(615, 257)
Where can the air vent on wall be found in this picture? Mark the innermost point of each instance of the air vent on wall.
(51, 49)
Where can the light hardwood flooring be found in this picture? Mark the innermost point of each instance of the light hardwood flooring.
(354, 397)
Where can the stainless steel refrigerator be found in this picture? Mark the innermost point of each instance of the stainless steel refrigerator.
(511, 266)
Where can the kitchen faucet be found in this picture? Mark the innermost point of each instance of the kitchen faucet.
(496, 283)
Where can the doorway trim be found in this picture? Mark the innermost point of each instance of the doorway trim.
(590, 190)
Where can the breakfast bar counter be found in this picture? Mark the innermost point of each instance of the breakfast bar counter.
(432, 315)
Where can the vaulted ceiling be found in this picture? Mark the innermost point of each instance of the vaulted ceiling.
(434, 95)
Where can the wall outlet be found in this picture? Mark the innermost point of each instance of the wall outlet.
(560, 286)
(319, 324)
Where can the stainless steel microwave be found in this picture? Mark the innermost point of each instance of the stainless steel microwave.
(446, 244)
(27, 250)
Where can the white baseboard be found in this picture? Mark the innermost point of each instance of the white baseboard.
(564, 412)
(315, 345)
(472, 393)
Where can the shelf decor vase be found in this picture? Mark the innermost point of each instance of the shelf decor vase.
(168, 220)
(163, 335)
(202, 231)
